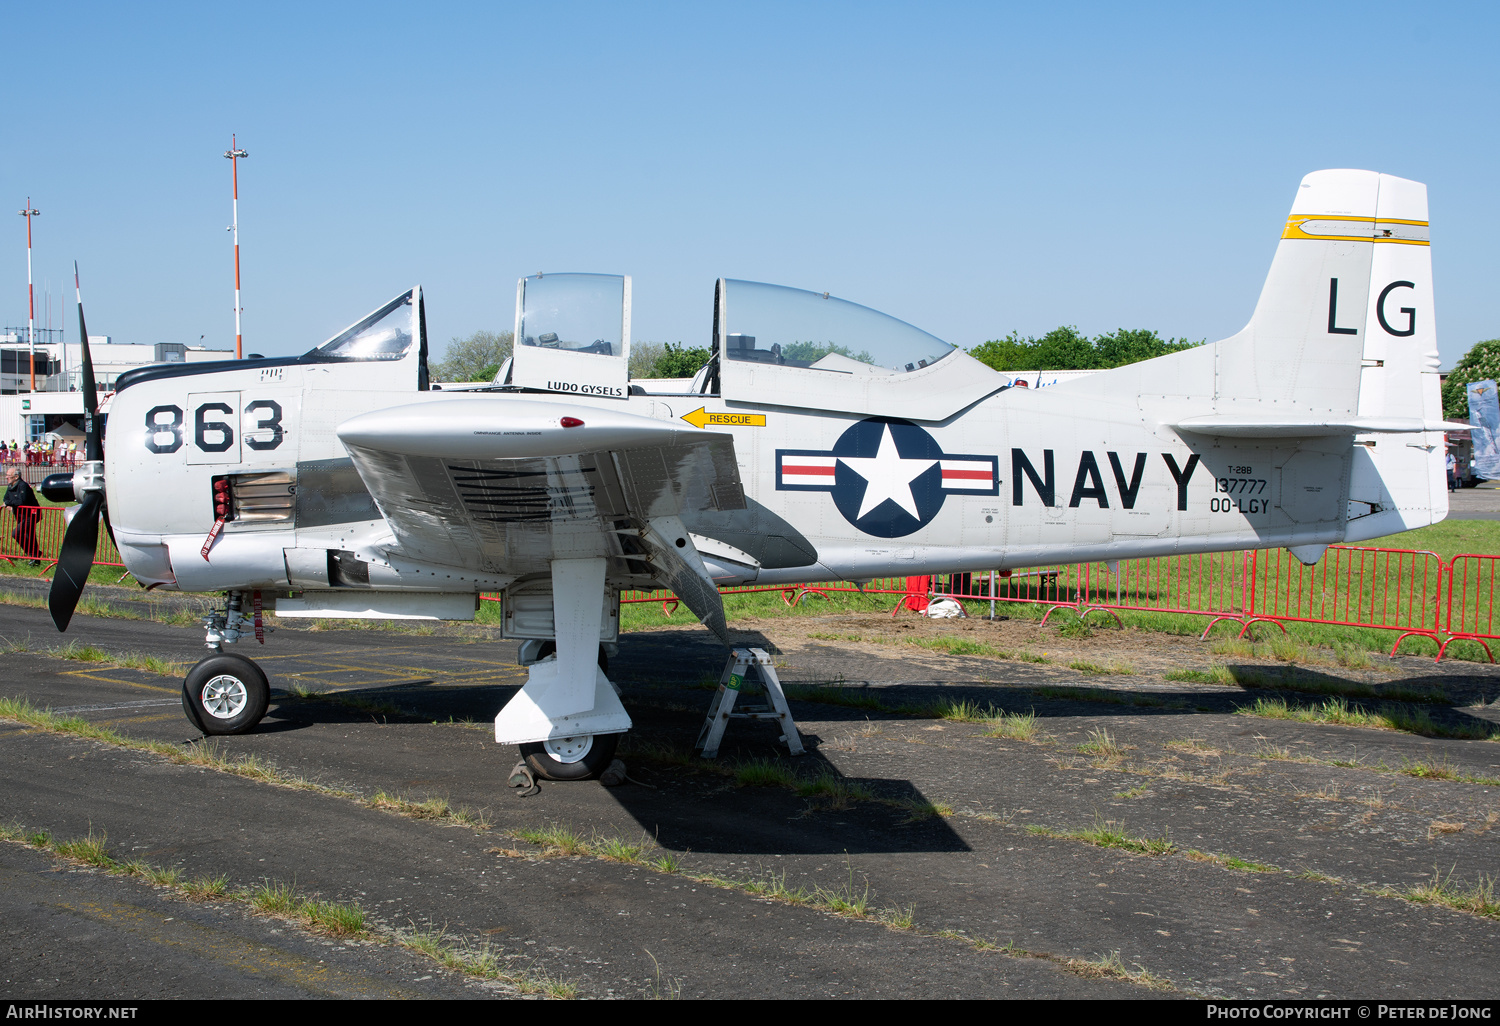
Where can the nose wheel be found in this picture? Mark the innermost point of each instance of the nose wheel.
(225, 694)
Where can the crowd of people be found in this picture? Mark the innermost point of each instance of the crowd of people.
(52, 453)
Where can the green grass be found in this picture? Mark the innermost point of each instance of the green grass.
(1075, 629)
(1231, 862)
(1386, 717)
(1477, 898)
(764, 773)
(90, 850)
(833, 792)
(1102, 744)
(1447, 539)
(1213, 675)
(332, 919)
(431, 808)
(1430, 769)
(1111, 669)
(555, 839)
(1015, 726)
(1108, 833)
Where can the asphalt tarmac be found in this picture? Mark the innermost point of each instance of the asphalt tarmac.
(1482, 502)
(1277, 884)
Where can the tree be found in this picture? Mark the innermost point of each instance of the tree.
(643, 357)
(678, 362)
(672, 360)
(476, 358)
(1066, 348)
(1121, 347)
(1481, 362)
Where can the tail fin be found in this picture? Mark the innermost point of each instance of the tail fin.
(1350, 291)
(1343, 342)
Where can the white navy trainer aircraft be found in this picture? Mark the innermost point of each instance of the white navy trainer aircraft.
(823, 441)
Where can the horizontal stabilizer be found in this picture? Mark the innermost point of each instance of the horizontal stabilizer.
(1241, 426)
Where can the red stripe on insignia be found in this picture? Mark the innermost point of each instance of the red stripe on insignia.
(820, 471)
(969, 475)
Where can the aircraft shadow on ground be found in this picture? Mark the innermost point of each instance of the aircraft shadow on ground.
(794, 806)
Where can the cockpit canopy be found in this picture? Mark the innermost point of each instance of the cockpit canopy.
(773, 324)
(772, 345)
(579, 313)
(385, 334)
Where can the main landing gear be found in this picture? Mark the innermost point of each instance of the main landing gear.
(580, 757)
(224, 693)
(571, 758)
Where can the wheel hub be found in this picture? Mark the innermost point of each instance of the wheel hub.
(224, 697)
(569, 749)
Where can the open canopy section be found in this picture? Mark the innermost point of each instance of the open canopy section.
(773, 324)
(572, 334)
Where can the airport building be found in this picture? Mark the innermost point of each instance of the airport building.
(56, 406)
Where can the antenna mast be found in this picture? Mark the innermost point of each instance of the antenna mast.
(29, 213)
(234, 153)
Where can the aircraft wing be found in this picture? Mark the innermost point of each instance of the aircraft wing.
(505, 486)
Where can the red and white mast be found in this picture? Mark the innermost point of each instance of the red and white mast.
(29, 213)
(234, 153)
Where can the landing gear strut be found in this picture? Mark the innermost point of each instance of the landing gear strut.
(580, 757)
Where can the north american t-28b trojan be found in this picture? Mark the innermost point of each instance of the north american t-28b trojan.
(823, 441)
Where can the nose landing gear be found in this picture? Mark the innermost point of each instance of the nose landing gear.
(225, 694)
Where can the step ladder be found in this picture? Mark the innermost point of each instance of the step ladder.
(722, 709)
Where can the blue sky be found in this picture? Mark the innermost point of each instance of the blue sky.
(973, 169)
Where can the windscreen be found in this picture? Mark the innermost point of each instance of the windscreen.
(385, 334)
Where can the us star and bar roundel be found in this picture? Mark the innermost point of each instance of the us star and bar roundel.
(888, 476)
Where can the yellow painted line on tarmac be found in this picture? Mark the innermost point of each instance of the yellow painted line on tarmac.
(153, 718)
(114, 680)
(223, 949)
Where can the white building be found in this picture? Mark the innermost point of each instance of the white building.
(26, 416)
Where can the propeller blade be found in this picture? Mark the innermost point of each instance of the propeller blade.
(75, 560)
(93, 447)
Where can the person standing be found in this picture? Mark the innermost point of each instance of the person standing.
(1452, 472)
(22, 502)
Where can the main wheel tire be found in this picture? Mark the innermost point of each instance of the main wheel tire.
(225, 694)
(587, 755)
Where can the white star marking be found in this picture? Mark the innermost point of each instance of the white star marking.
(888, 476)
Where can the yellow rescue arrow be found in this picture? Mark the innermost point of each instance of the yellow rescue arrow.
(701, 418)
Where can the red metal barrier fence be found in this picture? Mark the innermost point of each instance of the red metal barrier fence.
(1410, 591)
(50, 525)
(1406, 590)
(1470, 605)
